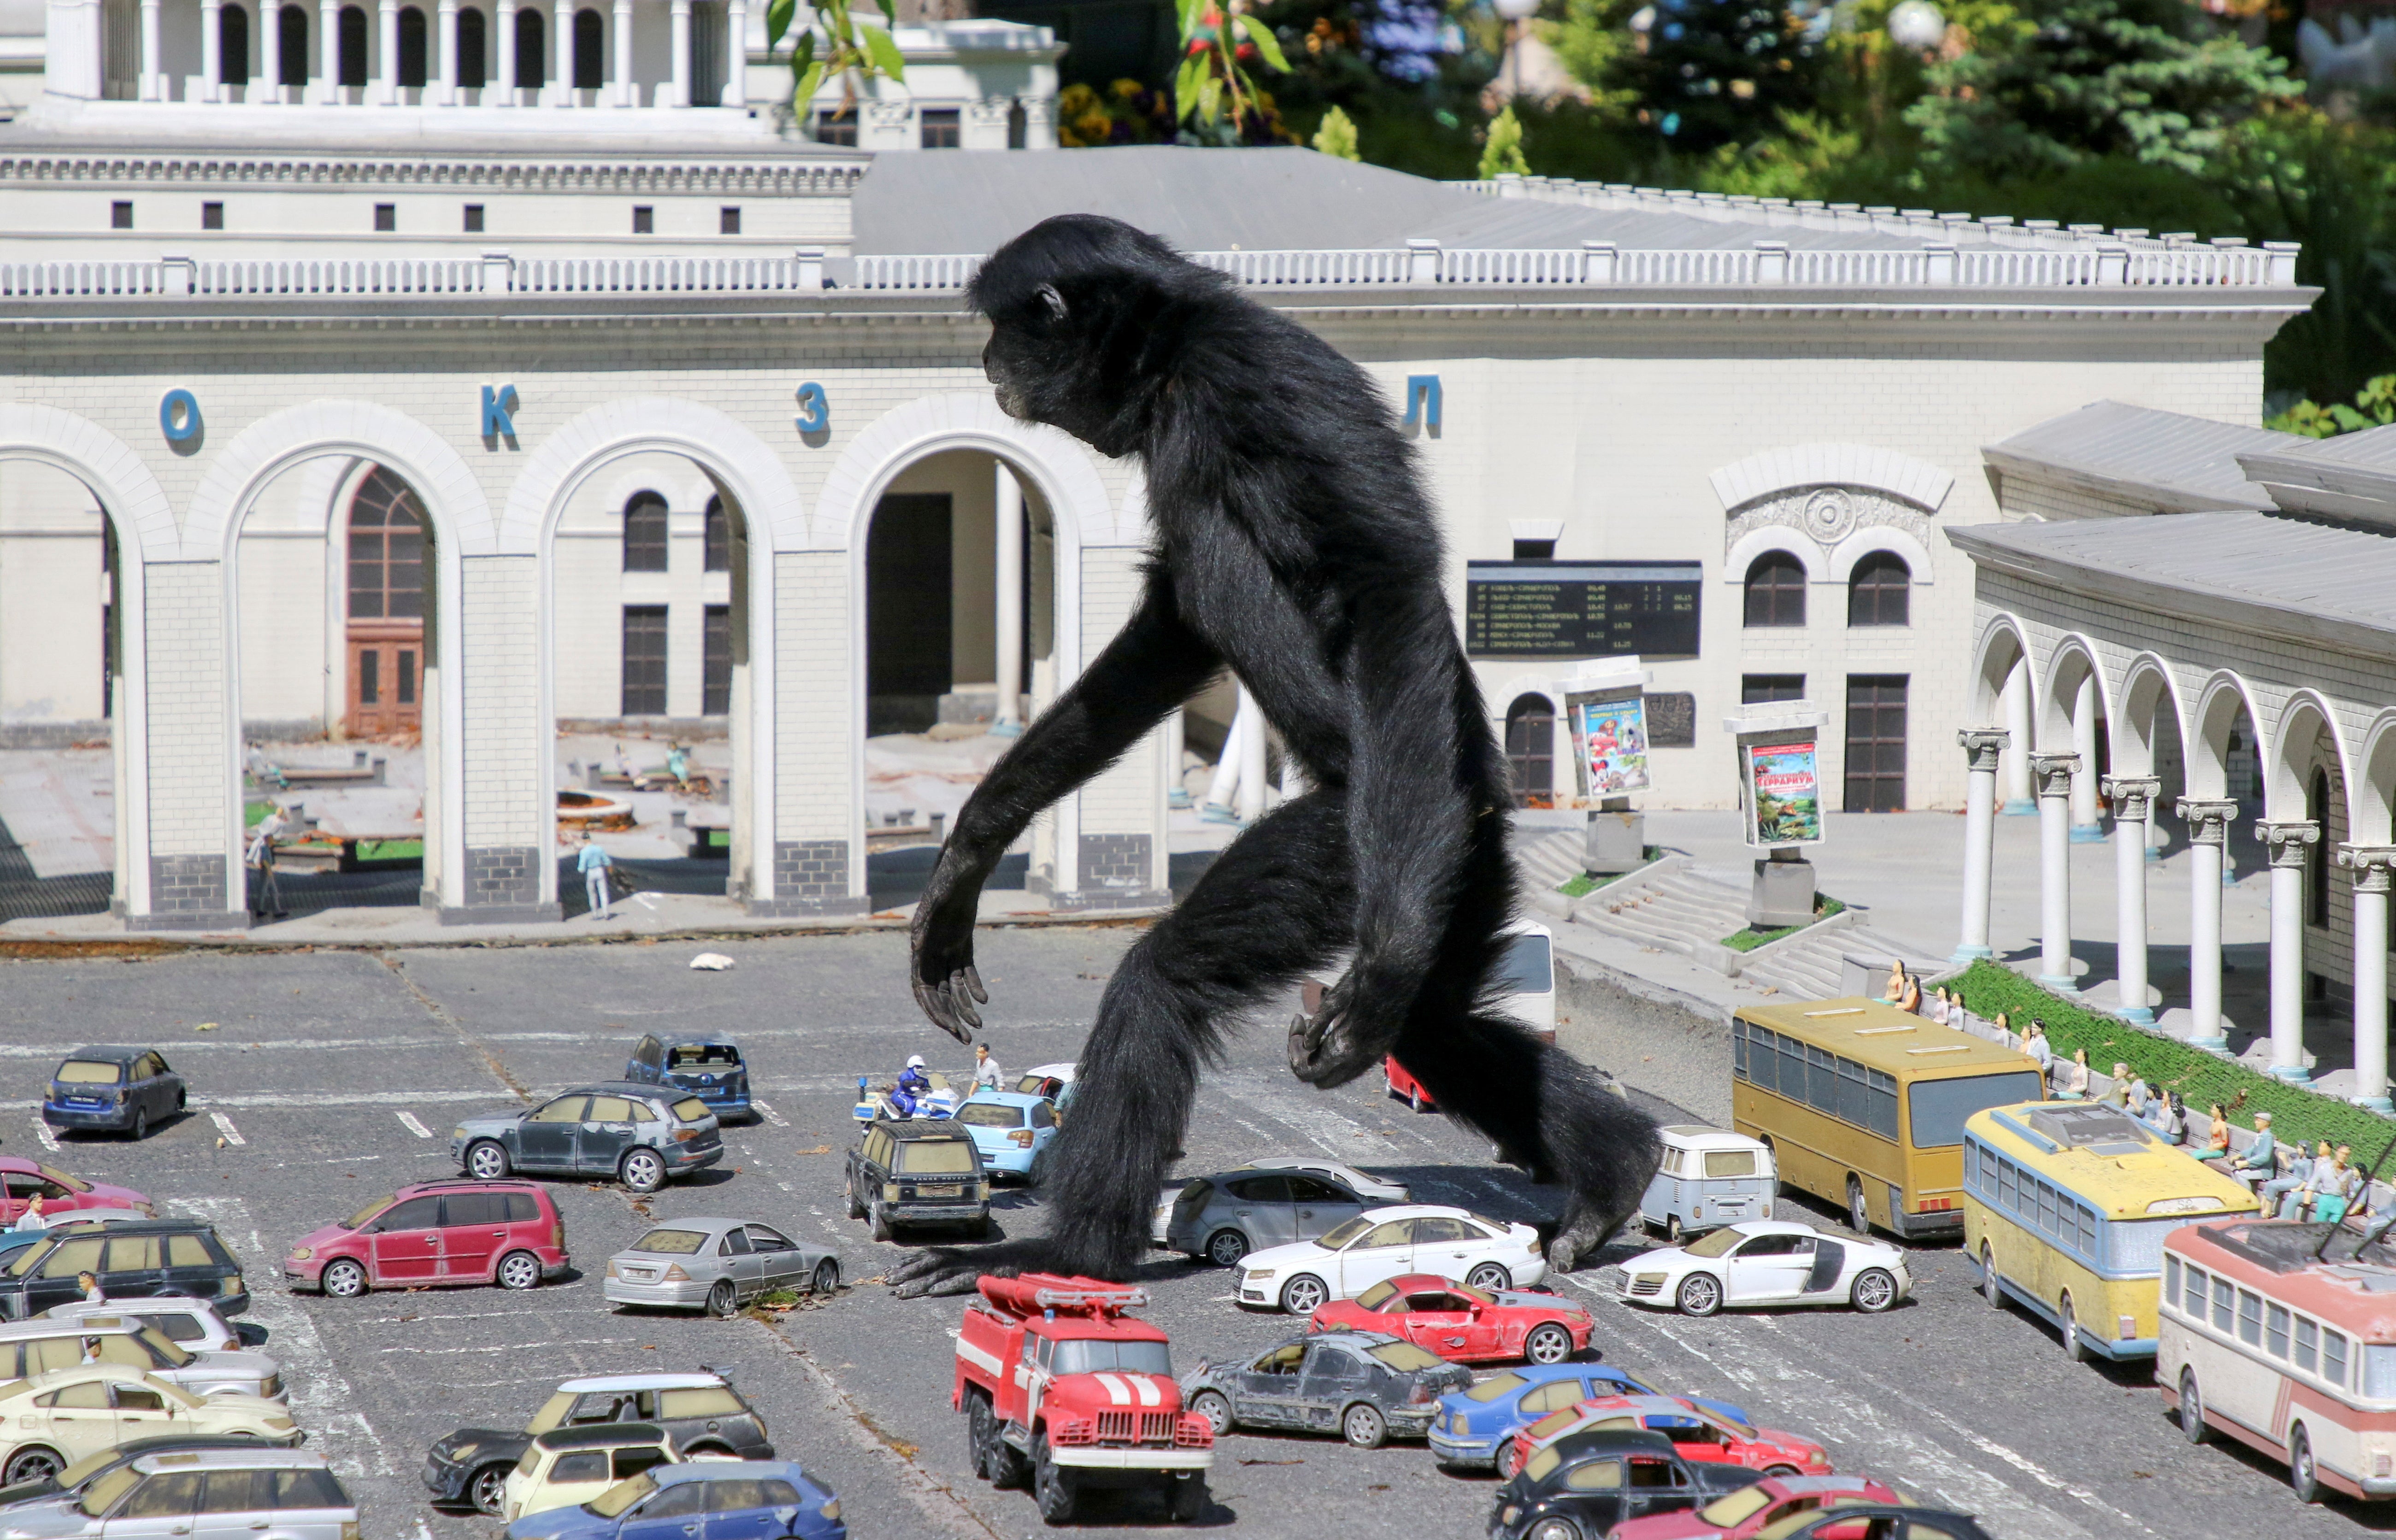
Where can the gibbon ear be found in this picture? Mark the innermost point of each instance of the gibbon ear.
(1054, 300)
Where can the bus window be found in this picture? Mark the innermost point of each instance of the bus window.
(2224, 1303)
(2007, 1196)
(2379, 1376)
(2275, 1332)
(2308, 1342)
(2171, 1276)
(2334, 1359)
(2250, 1319)
(1938, 1107)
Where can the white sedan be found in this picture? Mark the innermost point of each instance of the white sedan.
(1759, 1262)
(1383, 1243)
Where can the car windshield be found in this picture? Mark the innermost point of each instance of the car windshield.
(83, 1470)
(705, 1055)
(1405, 1356)
(691, 1109)
(1537, 1467)
(1746, 1503)
(1340, 1235)
(102, 1494)
(672, 1242)
(1730, 1162)
(1377, 1295)
(1939, 1107)
(976, 1114)
(1086, 1357)
(73, 1184)
(89, 1072)
(354, 1220)
(1496, 1385)
(936, 1156)
(1716, 1245)
(623, 1494)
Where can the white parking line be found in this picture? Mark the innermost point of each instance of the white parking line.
(224, 1127)
(512, 1347)
(49, 1138)
(408, 1121)
(771, 1116)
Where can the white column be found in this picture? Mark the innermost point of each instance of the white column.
(680, 15)
(2020, 802)
(1009, 568)
(561, 77)
(1224, 784)
(502, 89)
(1251, 806)
(2134, 798)
(2086, 829)
(2288, 841)
(736, 54)
(627, 92)
(387, 31)
(2371, 867)
(212, 50)
(449, 97)
(1177, 795)
(270, 50)
(328, 50)
(1984, 747)
(2208, 834)
(153, 80)
(2054, 774)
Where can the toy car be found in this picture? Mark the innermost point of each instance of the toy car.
(253, 1491)
(874, 1103)
(715, 1265)
(449, 1232)
(1061, 1390)
(752, 1498)
(192, 1324)
(911, 1173)
(702, 1414)
(122, 1090)
(1462, 1324)
(1401, 1083)
(22, 1180)
(1761, 1262)
(76, 1478)
(28, 1348)
(1382, 1244)
(640, 1134)
(1584, 1485)
(1052, 1081)
(1371, 1189)
(1366, 1387)
(1012, 1130)
(1774, 1502)
(1710, 1177)
(50, 1420)
(1222, 1218)
(140, 1258)
(707, 1065)
(574, 1464)
(1698, 1433)
(1474, 1429)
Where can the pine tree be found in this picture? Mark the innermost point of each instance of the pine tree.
(1718, 71)
(1502, 152)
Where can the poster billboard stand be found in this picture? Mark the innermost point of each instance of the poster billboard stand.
(1605, 722)
(1780, 805)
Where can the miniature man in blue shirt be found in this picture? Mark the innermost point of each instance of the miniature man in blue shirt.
(2261, 1159)
(2298, 1179)
(914, 1086)
(592, 862)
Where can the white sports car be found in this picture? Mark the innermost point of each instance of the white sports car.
(1383, 1243)
(1767, 1262)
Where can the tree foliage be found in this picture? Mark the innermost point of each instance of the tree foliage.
(834, 42)
(1503, 151)
(1338, 136)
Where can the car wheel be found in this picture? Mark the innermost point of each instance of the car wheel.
(1188, 1503)
(1782, 1472)
(179, 1102)
(1547, 1342)
(1364, 1426)
(1414, 1100)
(1990, 1289)
(2073, 1348)
(1304, 1295)
(140, 1124)
(1490, 1275)
(643, 1172)
(1672, 1230)
(519, 1271)
(722, 1301)
(1700, 1295)
(489, 1489)
(2192, 1409)
(1858, 1216)
(1554, 1529)
(826, 1278)
(981, 1432)
(486, 1161)
(1874, 1291)
(344, 1279)
(856, 1206)
(1213, 1406)
(2304, 1479)
(1508, 1461)
(1052, 1488)
(882, 1231)
(33, 1464)
(1225, 1247)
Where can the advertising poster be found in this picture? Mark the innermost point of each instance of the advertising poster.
(1610, 746)
(1784, 794)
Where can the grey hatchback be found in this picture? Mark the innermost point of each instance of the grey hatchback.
(641, 1135)
(1222, 1218)
(715, 1265)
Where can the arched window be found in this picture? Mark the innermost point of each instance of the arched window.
(590, 50)
(474, 72)
(291, 39)
(1776, 590)
(1531, 749)
(2317, 853)
(352, 45)
(1879, 591)
(644, 533)
(532, 61)
(233, 46)
(719, 537)
(411, 47)
(386, 550)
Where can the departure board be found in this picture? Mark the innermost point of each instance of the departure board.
(1580, 610)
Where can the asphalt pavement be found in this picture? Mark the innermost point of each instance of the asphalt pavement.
(322, 1079)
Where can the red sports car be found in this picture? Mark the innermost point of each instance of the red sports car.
(22, 1180)
(1463, 1325)
(1698, 1433)
(1403, 1086)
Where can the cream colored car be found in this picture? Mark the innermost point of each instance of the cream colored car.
(574, 1464)
(51, 1420)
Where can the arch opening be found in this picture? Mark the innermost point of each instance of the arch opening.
(1531, 749)
(473, 49)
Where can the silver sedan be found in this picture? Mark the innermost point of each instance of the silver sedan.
(716, 1266)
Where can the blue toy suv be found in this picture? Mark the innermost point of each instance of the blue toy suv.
(708, 1065)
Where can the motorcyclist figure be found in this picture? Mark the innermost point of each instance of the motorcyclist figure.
(914, 1084)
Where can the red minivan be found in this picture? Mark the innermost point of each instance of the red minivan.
(457, 1231)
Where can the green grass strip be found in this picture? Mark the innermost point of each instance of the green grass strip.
(1581, 884)
(390, 850)
(2201, 1079)
(1749, 939)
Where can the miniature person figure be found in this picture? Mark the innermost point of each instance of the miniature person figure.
(89, 1284)
(593, 861)
(2076, 1078)
(2118, 1095)
(91, 1350)
(1911, 998)
(986, 1070)
(2034, 1043)
(1895, 980)
(265, 893)
(678, 764)
(32, 1219)
(2339, 1190)
(2261, 1158)
(2216, 1139)
(2283, 1194)
(2170, 1119)
(913, 1085)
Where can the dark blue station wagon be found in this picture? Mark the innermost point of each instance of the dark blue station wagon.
(120, 1090)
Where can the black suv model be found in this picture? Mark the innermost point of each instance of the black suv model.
(1591, 1481)
(702, 1414)
(135, 1261)
(923, 1171)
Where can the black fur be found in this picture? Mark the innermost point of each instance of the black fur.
(1295, 543)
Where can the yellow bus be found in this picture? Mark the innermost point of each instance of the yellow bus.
(2066, 1205)
(1864, 1105)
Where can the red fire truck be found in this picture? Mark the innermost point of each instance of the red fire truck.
(1061, 1391)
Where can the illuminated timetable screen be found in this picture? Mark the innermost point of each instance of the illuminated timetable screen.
(1580, 610)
